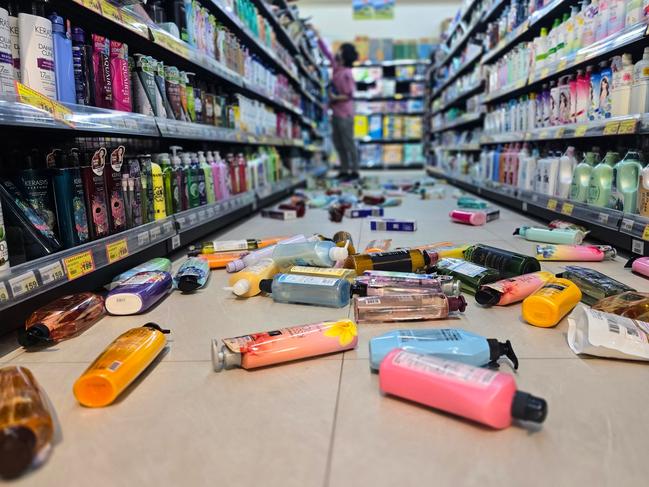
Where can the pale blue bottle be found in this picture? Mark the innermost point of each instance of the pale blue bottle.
(447, 343)
(63, 63)
(192, 275)
(313, 254)
(319, 291)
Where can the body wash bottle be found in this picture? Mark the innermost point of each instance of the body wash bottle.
(119, 365)
(593, 284)
(321, 291)
(566, 169)
(508, 263)
(155, 264)
(412, 260)
(513, 290)
(472, 276)
(317, 254)
(547, 306)
(138, 293)
(626, 177)
(264, 253)
(37, 50)
(407, 307)
(71, 212)
(64, 68)
(192, 275)
(640, 86)
(581, 178)
(601, 181)
(245, 283)
(551, 235)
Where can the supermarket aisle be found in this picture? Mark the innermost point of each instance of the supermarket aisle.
(323, 421)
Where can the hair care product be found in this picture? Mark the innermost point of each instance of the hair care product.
(138, 293)
(63, 63)
(37, 68)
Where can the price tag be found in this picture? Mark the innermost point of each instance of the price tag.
(142, 239)
(94, 5)
(181, 221)
(580, 131)
(210, 213)
(116, 250)
(169, 42)
(134, 24)
(51, 273)
(611, 128)
(567, 208)
(627, 225)
(154, 233)
(628, 127)
(637, 246)
(37, 100)
(192, 219)
(552, 205)
(110, 12)
(545, 72)
(645, 233)
(175, 242)
(602, 218)
(4, 295)
(167, 227)
(78, 265)
(543, 134)
(559, 133)
(201, 215)
(23, 284)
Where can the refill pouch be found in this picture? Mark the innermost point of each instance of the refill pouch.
(103, 88)
(155, 264)
(144, 87)
(602, 334)
(192, 275)
(138, 293)
(113, 176)
(95, 192)
(121, 81)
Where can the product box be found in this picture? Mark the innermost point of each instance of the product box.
(360, 126)
(392, 225)
(375, 128)
(392, 154)
(370, 154)
(279, 214)
(363, 212)
(413, 153)
(492, 214)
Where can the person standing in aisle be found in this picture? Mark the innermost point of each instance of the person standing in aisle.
(341, 96)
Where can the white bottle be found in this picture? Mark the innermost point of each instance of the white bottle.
(37, 51)
(571, 30)
(617, 16)
(588, 31)
(537, 179)
(15, 42)
(640, 86)
(566, 168)
(6, 59)
(634, 12)
(622, 80)
(601, 21)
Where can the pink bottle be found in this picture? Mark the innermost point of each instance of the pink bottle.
(223, 175)
(641, 266)
(284, 345)
(475, 218)
(482, 395)
(513, 166)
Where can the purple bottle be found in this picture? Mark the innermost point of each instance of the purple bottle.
(138, 293)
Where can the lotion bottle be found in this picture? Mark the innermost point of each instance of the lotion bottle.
(626, 177)
(622, 82)
(581, 178)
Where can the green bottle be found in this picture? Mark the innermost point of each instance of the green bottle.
(168, 177)
(509, 264)
(468, 202)
(581, 178)
(471, 275)
(593, 284)
(601, 181)
(626, 177)
(209, 180)
(193, 196)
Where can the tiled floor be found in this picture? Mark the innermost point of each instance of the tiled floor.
(323, 422)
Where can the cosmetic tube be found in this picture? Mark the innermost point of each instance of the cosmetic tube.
(245, 283)
(63, 318)
(555, 236)
(482, 395)
(640, 266)
(264, 253)
(138, 293)
(26, 421)
(630, 304)
(512, 290)
(475, 218)
(547, 306)
(192, 275)
(593, 284)
(119, 365)
(445, 343)
(228, 246)
(155, 264)
(406, 307)
(472, 203)
(472, 276)
(396, 260)
(575, 253)
(319, 291)
(508, 263)
(284, 345)
(220, 260)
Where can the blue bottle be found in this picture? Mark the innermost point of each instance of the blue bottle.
(192, 275)
(314, 254)
(320, 291)
(447, 343)
(63, 63)
(495, 164)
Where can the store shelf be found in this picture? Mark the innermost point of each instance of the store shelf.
(493, 12)
(470, 30)
(461, 147)
(460, 97)
(464, 68)
(282, 34)
(466, 119)
(367, 140)
(398, 96)
(106, 256)
(405, 114)
(392, 167)
(393, 62)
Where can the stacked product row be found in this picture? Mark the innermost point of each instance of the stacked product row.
(377, 50)
(391, 154)
(378, 127)
(389, 106)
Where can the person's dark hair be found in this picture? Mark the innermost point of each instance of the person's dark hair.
(348, 54)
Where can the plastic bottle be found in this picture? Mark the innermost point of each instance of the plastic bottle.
(547, 306)
(26, 421)
(643, 192)
(406, 307)
(508, 263)
(169, 183)
(192, 275)
(344, 239)
(445, 343)
(6, 57)
(601, 181)
(605, 81)
(397, 260)
(63, 66)
(119, 365)
(567, 164)
(622, 82)
(264, 253)
(512, 290)
(617, 16)
(220, 260)
(583, 94)
(581, 178)
(475, 218)
(210, 192)
(37, 68)
(527, 170)
(245, 283)
(284, 345)
(602, 20)
(155, 264)
(640, 86)
(339, 273)
(320, 291)
(634, 12)
(575, 253)
(62, 318)
(547, 169)
(626, 177)
(630, 304)
(317, 254)
(472, 276)
(479, 394)
(191, 181)
(377, 286)
(593, 284)
(551, 235)
(590, 15)
(138, 293)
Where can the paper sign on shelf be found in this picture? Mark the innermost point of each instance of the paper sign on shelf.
(4, 296)
(552, 205)
(37, 100)
(52, 272)
(116, 250)
(23, 284)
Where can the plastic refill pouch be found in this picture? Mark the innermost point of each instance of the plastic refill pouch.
(602, 334)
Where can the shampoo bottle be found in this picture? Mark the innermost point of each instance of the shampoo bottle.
(71, 212)
(640, 86)
(81, 62)
(63, 64)
(626, 177)
(547, 306)
(245, 283)
(138, 293)
(508, 263)
(113, 182)
(622, 83)
(192, 275)
(37, 68)
(263, 253)
(155, 264)
(472, 276)
(320, 291)
(96, 195)
(643, 192)
(581, 178)
(567, 164)
(601, 182)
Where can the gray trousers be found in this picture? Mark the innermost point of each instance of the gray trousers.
(343, 139)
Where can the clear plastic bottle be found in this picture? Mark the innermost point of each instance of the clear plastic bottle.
(406, 307)
(316, 254)
(621, 87)
(320, 291)
(581, 177)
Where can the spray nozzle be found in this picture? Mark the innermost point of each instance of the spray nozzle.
(155, 326)
(499, 349)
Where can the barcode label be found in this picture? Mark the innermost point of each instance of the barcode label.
(372, 300)
(155, 232)
(633, 332)
(167, 227)
(51, 273)
(627, 224)
(613, 327)
(637, 246)
(114, 366)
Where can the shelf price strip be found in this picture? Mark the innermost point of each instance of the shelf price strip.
(116, 250)
(23, 284)
(79, 265)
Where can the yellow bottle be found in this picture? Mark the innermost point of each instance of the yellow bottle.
(547, 306)
(159, 207)
(119, 365)
(339, 273)
(245, 283)
(26, 426)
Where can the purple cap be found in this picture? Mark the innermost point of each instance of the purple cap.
(235, 265)
(78, 35)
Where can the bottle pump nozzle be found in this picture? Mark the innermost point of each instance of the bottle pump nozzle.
(499, 349)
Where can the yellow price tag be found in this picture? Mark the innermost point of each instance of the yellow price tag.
(552, 205)
(567, 208)
(580, 131)
(611, 128)
(562, 64)
(627, 127)
(111, 12)
(645, 233)
(93, 5)
(4, 295)
(559, 133)
(116, 250)
(37, 100)
(543, 134)
(169, 42)
(545, 72)
(78, 265)
(134, 24)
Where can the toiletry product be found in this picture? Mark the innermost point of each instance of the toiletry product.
(6, 58)
(37, 68)
(566, 168)
(114, 190)
(380, 245)
(317, 254)
(284, 345)
(363, 212)
(245, 283)
(575, 253)
(155, 264)
(643, 192)
(208, 178)
(593, 284)
(172, 85)
(475, 218)
(600, 334)
(630, 304)
(621, 85)
(338, 273)
(264, 253)
(164, 108)
(13, 11)
(548, 235)
(395, 260)
(82, 66)
(394, 284)
(4, 251)
(593, 105)
(138, 293)
(102, 76)
(605, 81)
(120, 77)
(581, 178)
(445, 343)
(71, 212)
(279, 214)
(320, 291)
(26, 421)
(634, 12)
(63, 65)
(95, 191)
(472, 203)
(601, 182)
(35, 181)
(230, 245)
(344, 239)
(192, 275)
(119, 365)
(62, 318)
(159, 204)
(406, 307)
(512, 290)
(144, 89)
(478, 394)
(641, 266)
(547, 306)
(640, 86)
(626, 177)
(564, 225)
(508, 263)
(220, 260)
(392, 225)
(472, 276)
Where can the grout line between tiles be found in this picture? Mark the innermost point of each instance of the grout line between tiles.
(332, 439)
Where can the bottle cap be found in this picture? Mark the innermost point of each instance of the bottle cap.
(223, 357)
(266, 285)
(58, 25)
(17, 445)
(499, 349)
(452, 287)
(487, 296)
(38, 334)
(155, 326)
(241, 287)
(187, 284)
(358, 288)
(338, 253)
(456, 303)
(235, 266)
(528, 407)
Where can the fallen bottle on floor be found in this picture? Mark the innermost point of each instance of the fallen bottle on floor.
(395, 261)
(138, 293)
(471, 275)
(630, 304)
(317, 254)
(512, 290)
(547, 306)
(475, 218)
(593, 284)
(508, 263)
(575, 253)
(155, 264)
(319, 291)
(406, 307)
(245, 283)
(192, 275)
(554, 235)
